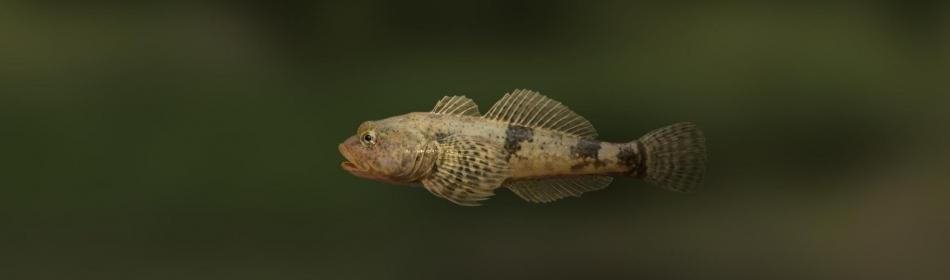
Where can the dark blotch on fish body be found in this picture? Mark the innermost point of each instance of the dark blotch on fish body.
(514, 136)
(586, 151)
(629, 157)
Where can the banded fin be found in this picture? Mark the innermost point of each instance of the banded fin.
(548, 190)
(467, 171)
(675, 157)
(531, 109)
(456, 105)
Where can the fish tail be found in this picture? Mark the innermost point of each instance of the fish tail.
(673, 157)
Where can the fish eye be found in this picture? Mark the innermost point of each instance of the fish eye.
(368, 138)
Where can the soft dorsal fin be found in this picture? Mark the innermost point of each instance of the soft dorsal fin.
(456, 105)
(531, 109)
(548, 190)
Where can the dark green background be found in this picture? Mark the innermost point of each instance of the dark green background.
(198, 140)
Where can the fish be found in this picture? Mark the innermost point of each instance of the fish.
(528, 143)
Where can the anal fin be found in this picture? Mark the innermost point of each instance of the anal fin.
(548, 190)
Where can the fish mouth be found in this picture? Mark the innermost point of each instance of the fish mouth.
(359, 170)
(349, 164)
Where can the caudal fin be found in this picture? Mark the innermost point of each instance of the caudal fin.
(675, 157)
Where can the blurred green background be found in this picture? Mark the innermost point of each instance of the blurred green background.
(198, 140)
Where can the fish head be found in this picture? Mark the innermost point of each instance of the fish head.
(392, 150)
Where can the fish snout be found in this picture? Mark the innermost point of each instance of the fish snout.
(346, 149)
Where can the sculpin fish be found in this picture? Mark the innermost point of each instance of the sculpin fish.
(528, 143)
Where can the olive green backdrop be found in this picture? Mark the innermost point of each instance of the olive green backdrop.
(198, 140)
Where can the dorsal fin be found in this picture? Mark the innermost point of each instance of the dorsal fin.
(456, 105)
(531, 109)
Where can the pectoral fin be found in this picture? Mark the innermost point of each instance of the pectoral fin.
(467, 171)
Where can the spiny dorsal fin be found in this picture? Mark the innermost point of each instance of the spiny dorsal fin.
(548, 190)
(531, 109)
(456, 105)
(468, 170)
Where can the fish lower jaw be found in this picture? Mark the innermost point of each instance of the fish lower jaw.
(350, 166)
(358, 170)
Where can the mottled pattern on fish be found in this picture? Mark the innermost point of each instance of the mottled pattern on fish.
(526, 142)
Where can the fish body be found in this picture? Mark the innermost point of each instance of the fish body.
(528, 143)
(533, 153)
